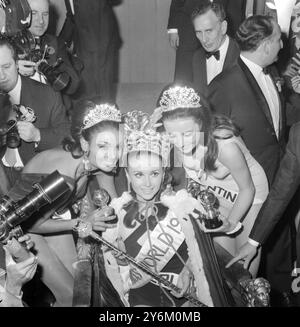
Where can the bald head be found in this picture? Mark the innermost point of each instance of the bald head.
(40, 16)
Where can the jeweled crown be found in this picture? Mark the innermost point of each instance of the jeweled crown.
(140, 136)
(179, 97)
(100, 113)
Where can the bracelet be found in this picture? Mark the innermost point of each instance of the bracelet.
(253, 242)
(82, 228)
(236, 228)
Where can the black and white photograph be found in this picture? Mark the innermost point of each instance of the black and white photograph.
(150, 158)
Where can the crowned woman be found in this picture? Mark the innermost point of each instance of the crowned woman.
(91, 150)
(155, 229)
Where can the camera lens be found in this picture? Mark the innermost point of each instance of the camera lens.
(12, 138)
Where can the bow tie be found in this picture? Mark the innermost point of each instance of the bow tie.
(266, 70)
(216, 54)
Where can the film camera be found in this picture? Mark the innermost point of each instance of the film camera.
(12, 214)
(26, 45)
(22, 113)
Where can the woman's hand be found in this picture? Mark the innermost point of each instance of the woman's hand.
(20, 273)
(246, 254)
(183, 283)
(100, 219)
(226, 227)
(26, 238)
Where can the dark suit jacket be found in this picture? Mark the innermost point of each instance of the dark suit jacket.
(236, 94)
(235, 11)
(60, 51)
(96, 25)
(199, 65)
(51, 116)
(284, 187)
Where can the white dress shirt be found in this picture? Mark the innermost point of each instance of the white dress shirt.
(14, 97)
(268, 89)
(213, 66)
(72, 6)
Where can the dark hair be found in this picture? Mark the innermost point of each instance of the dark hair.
(206, 5)
(253, 31)
(210, 124)
(72, 144)
(132, 207)
(6, 41)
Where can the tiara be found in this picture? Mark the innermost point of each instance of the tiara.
(140, 136)
(100, 113)
(179, 97)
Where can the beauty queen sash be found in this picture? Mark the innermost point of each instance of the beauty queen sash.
(157, 253)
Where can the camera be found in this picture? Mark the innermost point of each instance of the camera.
(22, 113)
(58, 80)
(13, 139)
(12, 214)
(25, 44)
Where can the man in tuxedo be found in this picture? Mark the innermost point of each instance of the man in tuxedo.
(283, 189)
(218, 50)
(181, 30)
(250, 96)
(50, 125)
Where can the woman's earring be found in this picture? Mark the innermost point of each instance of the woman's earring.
(86, 162)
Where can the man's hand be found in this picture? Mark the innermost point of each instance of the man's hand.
(28, 132)
(247, 253)
(174, 40)
(19, 274)
(26, 67)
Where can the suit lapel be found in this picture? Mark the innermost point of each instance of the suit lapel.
(26, 95)
(201, 73)
(231, 54)
(263, 104)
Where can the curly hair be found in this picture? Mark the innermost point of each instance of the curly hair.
(72, 143)
(253, 31)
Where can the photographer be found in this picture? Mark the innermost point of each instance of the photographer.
(49, 46)
(51, 124)
(17, 275)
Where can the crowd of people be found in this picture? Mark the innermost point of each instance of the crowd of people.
(168, 209)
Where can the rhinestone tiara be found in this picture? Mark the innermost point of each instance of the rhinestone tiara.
(179, 97)
(100, 113)
(140, 136)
